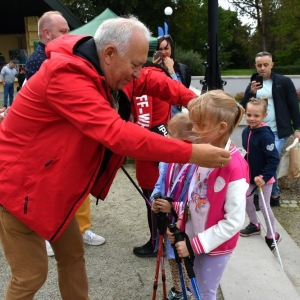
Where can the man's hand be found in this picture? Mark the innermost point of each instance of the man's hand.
(208, 156)
(255, 86)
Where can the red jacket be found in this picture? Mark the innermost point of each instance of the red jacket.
(150, 112)
(56, 134)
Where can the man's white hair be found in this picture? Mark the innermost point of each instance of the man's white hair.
(117, 32)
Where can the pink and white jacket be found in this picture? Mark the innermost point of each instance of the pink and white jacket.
(226, 192)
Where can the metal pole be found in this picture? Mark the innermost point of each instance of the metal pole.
(212, 78)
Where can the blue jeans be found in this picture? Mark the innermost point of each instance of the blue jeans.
(8, 91)
(279, 143)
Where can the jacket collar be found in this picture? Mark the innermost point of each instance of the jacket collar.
(86, 48)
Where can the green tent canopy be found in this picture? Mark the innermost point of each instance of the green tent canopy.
(91, 27)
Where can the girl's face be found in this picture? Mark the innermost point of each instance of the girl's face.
(209, 132)
(165, 47)
(254, 115)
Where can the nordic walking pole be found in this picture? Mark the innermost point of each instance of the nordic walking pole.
(187, 261)
(161, 221)
(174, 229)
(269, 221)
(135, 185)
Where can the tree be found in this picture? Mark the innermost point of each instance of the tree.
(286, 33)
(188, 23)
(262, 11)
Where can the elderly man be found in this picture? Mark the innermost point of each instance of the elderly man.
(51, 26)
(65, 137)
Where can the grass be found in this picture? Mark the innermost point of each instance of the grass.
(237, 72)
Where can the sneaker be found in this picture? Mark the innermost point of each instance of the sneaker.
(146, 250)
(173, 295)
(251, 229)
(275, 201)
(90, 238)
(256, 202)
(271, 244)
(49, 249)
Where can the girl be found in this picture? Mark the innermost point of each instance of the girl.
(215, 210)
(151, 113)
(177, 71)
(263, 159)
(173, 182)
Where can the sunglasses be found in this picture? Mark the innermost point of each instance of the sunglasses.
(167, 36)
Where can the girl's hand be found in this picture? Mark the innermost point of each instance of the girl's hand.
(170, 236)
(182, 249)
(169, 64)
(157, 61)
(163, 205)
(178, 224)
(3, 113)
(259, 181)
(154, 207)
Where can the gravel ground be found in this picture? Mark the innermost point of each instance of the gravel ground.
(114, 273)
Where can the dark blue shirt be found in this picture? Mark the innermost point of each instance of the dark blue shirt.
(35, 60)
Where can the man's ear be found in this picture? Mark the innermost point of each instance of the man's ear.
(109, 52)
(47, 34)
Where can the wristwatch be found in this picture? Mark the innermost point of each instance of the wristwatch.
(171, 73)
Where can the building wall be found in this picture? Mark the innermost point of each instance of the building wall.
(20, 41)
(31, 28)
(11, 42)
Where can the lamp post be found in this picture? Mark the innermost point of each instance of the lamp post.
(168, 13)
(212, 79)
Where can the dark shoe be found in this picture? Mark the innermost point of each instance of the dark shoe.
(271, 244)
(251, 229)
(256, 202)
(146, 250)
(275, 201)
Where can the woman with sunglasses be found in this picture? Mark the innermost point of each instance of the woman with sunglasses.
(177, 71)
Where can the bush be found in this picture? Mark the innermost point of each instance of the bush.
(192, 59)
(239, 96)
(286, 70)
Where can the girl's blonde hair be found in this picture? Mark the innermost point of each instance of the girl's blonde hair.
(219, 106)
(180, 126)
(259, 101)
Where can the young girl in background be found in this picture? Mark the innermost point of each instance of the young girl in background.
(263, 159)
(173, 182)
(216, 200)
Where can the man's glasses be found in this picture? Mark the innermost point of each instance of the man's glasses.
(166, 36)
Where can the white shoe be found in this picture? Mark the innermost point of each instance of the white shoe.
(90, 238)
(49, 249)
